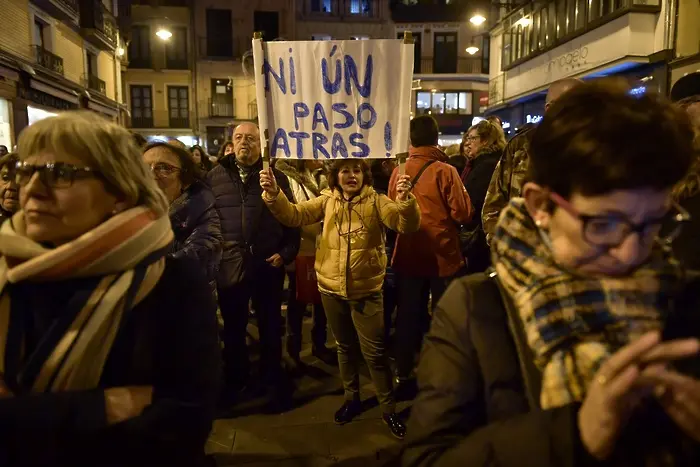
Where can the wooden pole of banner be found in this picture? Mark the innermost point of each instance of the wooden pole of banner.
(262, 122)
(401, 158)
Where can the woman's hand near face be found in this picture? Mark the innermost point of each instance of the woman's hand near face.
(403, 186)
(268, 182)
(620, 384)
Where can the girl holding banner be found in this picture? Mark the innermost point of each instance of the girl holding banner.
(350, 267)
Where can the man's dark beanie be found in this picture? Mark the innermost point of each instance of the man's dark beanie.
(687, 86)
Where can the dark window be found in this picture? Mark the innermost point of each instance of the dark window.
(321, 6)
(221, 98)
(485, 54)
(561, 19)
(179, 106)
(140, 47)
(417, 36)
(219, 33)
(445, 53)
(141, 107)
(268, 22)
(91, 64)
(176, 50)
(39, 33)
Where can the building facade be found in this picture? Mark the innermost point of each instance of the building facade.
(159, 79)
(57, 55)
(342, 19)
(225, 86)
(686, 58)
(546, 41)
(451, 83)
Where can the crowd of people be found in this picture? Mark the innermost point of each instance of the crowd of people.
(539, 291)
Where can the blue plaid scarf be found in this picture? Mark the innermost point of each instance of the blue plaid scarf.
(573, 323)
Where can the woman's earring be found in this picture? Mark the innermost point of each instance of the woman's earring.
(538, 223)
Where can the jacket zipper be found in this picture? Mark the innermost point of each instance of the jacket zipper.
(347, 261)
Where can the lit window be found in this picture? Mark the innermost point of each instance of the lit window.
(320, 37)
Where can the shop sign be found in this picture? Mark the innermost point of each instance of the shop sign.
(534, 119)
(43, 99)
(568, 61)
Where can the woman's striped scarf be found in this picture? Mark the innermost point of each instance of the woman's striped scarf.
(574, 323)
(126, 256)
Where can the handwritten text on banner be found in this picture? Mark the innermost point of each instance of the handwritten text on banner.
(335, 99)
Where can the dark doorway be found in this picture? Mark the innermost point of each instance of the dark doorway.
(219, 33)
(268, 22)
(445, 53)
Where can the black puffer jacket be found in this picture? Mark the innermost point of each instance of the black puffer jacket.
(247, 226)
(197, 229)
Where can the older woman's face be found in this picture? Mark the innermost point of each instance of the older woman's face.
(572, 247)
(59, 214)
(472, 144)
(351, 178)
(9, 191)
(166, 167)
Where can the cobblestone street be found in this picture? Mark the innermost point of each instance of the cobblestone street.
(306, 434)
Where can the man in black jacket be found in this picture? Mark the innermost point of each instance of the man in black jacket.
(256, 248)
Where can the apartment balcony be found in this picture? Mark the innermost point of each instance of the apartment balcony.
(341, 10)
(465, 65)
(93, 83)
(63, 10)
(173, 119)
(219, 109)
(98, 25)
(216, 49)
(47, 60)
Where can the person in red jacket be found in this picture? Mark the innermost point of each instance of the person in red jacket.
(426, 261)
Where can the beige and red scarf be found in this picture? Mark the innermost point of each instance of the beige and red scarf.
(126, 253)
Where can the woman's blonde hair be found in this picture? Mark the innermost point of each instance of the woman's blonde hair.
(103, 146)
(491, 135)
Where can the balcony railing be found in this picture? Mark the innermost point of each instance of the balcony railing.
(166, 119)
(204, 51)
(48, 60)
(98, 24)
(465, 65)
(63, 10)
(96, 84)
(220, 109)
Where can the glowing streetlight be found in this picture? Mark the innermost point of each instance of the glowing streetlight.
(472, 49)
(120, 52)
(164, 34)
(477, 20)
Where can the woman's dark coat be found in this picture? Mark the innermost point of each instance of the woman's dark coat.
(197, 229)
(168, 341)
(478, 400)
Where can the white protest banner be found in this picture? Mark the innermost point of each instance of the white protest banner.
(334, 99)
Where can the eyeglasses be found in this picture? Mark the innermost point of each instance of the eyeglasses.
(248, 138)
(8, 175)
(163, 169)
(609, 231)
(52, 175)
(472, 138)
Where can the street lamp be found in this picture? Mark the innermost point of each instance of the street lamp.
(164, 34)
(477, 20)
(472, 49)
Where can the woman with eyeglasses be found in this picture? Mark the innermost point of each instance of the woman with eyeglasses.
(582, 347)
(9, 193)
(483, 146)
(194, 218)
(108, 350)
(350, 267)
